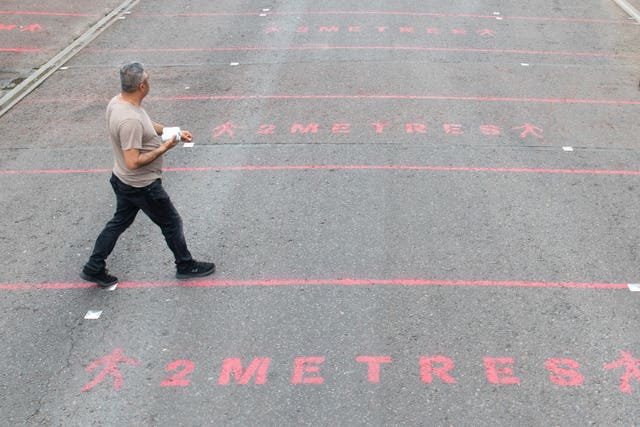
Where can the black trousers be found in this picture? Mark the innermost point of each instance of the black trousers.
(155, 203)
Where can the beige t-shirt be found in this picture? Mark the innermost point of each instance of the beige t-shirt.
(130, 127)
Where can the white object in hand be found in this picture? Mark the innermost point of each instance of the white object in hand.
(167, 134)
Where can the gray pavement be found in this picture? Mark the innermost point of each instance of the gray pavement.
(422, 214)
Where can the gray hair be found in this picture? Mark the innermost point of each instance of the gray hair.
(131, 75)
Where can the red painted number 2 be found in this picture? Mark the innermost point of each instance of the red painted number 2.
(177, 379)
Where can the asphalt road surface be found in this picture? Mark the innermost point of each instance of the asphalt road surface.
(422, 213)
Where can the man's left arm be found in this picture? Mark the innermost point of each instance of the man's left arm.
(158, 128)
(185, 135)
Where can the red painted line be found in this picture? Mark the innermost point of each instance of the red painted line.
(25, 12)
(35, 286)
(323, 13)
(398, 97)
(52, 171)
(382, 13)
(320, 282)
(399, 48)
(258, 168)
(21, 50)
(64, 100)
(354, 97)
(409, 168)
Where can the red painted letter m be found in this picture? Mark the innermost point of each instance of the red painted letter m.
(258, 369)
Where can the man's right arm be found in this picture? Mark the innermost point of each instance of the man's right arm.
(135, 159)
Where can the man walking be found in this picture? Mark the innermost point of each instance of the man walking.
(138, 151)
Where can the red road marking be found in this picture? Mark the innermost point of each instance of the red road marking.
(381, 13)
(325, 13)
(399, 97)
(51, 171)
(24, 12)
(329, 282)
(21, 50)
(342, 167)
(354, 97)
(407, 48)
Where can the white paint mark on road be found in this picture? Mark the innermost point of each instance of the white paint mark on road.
(93, 314)
(634, 287)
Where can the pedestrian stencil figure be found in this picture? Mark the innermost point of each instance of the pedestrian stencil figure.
(136, 180)
(110, 368)
(631, 367)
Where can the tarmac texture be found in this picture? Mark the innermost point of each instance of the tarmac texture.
(422, 213)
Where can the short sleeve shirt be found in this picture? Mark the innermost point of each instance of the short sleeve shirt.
(130, 127)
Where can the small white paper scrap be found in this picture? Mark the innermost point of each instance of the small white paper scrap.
(113, 287)
(233, 64)
(567, 148)
(499, 17)
(634, 287)
(266, 10)
(93, 314)
(188, 144)
(524, 64)
(263, 14)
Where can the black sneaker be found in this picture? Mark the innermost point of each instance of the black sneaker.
(103, 279)
(196, 269)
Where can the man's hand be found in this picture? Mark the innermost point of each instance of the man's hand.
(185, 135)
(170, 143)
(134, 159)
